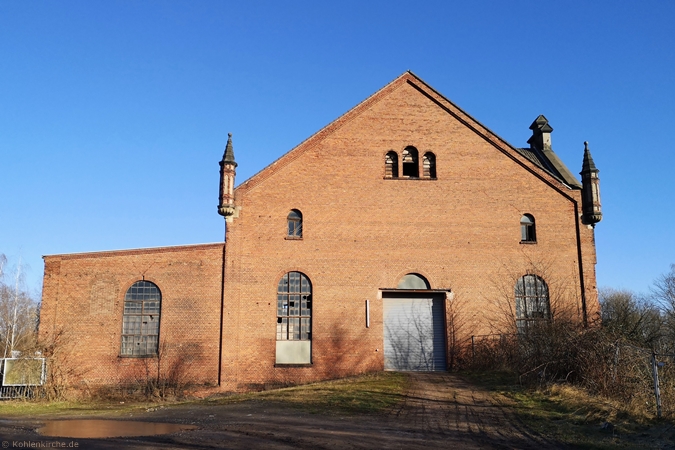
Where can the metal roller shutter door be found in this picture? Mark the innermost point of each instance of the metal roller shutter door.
(414, 334)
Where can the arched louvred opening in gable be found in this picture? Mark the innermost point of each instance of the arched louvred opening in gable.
(391, 165)
(295, 224)
(140, 321)
(528, 232)
(429, 165)
(532, 302)
(410, 162)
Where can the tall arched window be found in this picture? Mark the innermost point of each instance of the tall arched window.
(294, 307)
(532, 301)
(140, 322)
(294, 319)
(527, 229)
(429, 165)
(391, 165)
(295, 224)
(410, 162)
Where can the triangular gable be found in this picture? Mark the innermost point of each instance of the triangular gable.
(448, 106)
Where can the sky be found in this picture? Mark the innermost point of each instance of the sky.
(114, 115)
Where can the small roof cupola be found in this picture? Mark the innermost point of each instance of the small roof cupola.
(590, 192)
(540, 144)
(541, 133)
(227, 173)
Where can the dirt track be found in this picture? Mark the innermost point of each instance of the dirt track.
(440, 411)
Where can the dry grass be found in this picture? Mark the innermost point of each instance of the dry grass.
(365, 394)
(571, 415)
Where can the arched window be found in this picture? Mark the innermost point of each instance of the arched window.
(295, 224)
(294, 307)
(532, 301)
(527, 229)
(429, 165)
(140, 322)
(410, 165)
(391, 165)
(413, 281)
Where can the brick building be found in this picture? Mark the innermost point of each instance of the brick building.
(399, 229)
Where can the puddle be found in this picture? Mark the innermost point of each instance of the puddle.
(108, 428)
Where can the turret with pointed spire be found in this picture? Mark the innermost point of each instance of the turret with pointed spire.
(590, 192)
(227, 173)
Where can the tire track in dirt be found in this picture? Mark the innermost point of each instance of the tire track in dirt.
(445, 408)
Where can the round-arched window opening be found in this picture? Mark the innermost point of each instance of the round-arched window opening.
(413, 281)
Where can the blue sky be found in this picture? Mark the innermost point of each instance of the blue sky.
(114, 115)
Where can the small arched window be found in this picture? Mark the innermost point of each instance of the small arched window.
(527, 229)
(410, 162)
(295, 224)
(391, 165)
(532, 302)
(140, 322)
(429, 165)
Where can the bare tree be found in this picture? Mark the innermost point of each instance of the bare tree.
(18, 311)
(663, 292)
(629, 317)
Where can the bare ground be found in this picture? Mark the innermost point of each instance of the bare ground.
(439, 410)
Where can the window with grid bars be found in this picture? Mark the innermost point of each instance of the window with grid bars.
(295, 224)
(294, 308)
(140, 322)
(532, 302)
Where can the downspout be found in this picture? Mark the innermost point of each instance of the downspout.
(222, 309)
(584, 315)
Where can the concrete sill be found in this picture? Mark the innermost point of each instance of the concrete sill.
(293, 365)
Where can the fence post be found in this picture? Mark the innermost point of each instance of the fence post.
(657, 391)
(616, 363)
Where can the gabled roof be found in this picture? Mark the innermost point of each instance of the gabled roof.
(531, 159)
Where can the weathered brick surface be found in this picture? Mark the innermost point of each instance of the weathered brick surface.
(83, 301)
(362, 233)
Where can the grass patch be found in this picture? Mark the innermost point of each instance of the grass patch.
(571, 415)
(33, 408)
(364, 394)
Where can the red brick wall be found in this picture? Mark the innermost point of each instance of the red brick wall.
(363, 232)
(83, 299)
